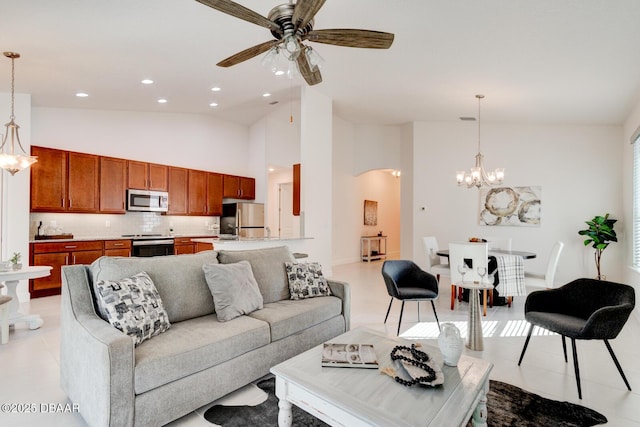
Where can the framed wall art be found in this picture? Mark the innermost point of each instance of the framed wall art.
(370, 212)
(511, 206)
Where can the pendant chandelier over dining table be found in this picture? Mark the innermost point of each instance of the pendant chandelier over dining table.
(478, 176)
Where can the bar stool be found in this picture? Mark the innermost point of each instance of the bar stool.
(4, 318)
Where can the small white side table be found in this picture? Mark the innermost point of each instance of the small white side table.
(365, 248)
(11, 280)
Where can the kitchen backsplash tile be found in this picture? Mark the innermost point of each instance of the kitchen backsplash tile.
(105, 225)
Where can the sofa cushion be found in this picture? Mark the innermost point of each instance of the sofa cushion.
(288, 317)
(194, 345)
(133, 306)
(306, 280)
(268, 268)
(179, 280)
(234, 289)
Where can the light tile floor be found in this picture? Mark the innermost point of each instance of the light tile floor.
(29, 363)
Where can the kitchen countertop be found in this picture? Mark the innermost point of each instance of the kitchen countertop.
(91, 238)
(247, 239)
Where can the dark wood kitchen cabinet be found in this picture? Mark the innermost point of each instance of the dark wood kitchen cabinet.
(57, 255)
(48, 180)
(197, 192)
(239, 187)
(214, 193)
(178, 191)
(205, 193)
(147, 176)
(117, 247)
(63, 181)
(82, 182)
(183, 245)
(113, 185)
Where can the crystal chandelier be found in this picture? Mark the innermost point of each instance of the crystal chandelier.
(478, 177)
(9, 160)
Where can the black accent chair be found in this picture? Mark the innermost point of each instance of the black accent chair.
(585, 309)
(408, 282)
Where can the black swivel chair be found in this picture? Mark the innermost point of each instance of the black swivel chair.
(408, 282)
(585, 309)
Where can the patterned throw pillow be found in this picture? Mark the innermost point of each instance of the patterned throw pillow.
(133, 305)
(306, 280)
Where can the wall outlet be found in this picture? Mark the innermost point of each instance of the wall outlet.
(107, 223)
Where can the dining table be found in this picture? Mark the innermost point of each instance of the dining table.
(494, 252)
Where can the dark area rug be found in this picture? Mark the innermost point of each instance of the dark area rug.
(509, 406)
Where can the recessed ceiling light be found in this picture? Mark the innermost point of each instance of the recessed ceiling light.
(147, 82)
(82, 95)
(279, 73)
(162, 101)
(215, 89)
(213, 104)
(272, 169)
(266, 95)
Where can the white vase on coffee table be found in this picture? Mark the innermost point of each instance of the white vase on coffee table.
(451, 344)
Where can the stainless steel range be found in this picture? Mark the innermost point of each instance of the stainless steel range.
(145, 245)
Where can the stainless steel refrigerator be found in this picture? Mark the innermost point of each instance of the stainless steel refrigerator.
(243, 219)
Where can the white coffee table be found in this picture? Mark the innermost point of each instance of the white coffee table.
(365, 397)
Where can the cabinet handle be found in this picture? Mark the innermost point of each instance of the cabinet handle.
(62, 201)
(118, 244)
(70, 246)
(69, 201)
(74, 260)
(66, 260)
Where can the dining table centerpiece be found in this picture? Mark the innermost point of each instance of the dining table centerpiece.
(600, 234)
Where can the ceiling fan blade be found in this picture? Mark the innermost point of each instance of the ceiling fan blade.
(247, 54)
(304, 12)
(234, 9)
(352, 38)
(311, 76)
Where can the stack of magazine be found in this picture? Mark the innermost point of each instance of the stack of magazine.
(349, 356)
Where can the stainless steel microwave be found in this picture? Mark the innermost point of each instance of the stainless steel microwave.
(147, 201)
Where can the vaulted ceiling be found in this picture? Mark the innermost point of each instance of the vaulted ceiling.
(543, 61)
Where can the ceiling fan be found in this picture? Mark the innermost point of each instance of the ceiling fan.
(291, 24)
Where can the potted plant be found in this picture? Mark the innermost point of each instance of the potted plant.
(15, 260)
(599, 234)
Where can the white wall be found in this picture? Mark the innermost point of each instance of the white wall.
(316, 173)
(185, 140)
(358, 151)
(578, 168)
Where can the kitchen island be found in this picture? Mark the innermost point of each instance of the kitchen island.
(295, 244)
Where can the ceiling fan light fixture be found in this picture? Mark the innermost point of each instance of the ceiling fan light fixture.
(315, 60)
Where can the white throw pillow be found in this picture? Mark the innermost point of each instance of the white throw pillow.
(133, 305)
(306, 280)
(234, 289)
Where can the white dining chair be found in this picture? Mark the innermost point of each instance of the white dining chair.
(547, 280)
(435, 265)
(478, 254)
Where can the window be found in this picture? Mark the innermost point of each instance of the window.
(636, 198)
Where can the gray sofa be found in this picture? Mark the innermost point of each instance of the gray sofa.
(197, 360)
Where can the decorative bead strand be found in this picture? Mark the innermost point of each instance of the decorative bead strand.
(420, 357)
